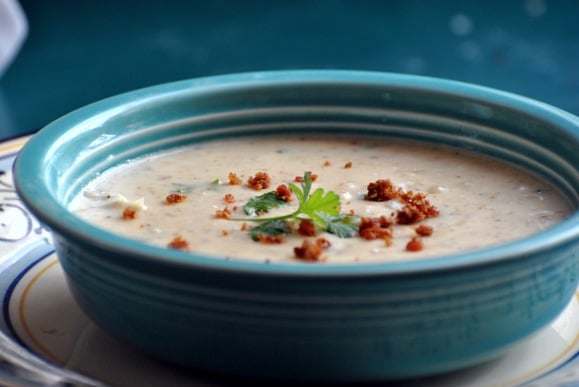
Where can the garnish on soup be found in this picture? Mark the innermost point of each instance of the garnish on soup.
(320, 207)
(371, 200)
(319, 211)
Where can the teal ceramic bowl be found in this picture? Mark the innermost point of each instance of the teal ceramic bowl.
(350, 322)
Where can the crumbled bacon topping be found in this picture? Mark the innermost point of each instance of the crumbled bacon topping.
(234, 179)
(424, 230)
(259, 181)
(323, 242)
(376, 228)
(299, 179)
(312, 251)
(270, 239)
(229, 198)
(178, 243)
(409, 215)
(414, 213)
(283, 192)
(129, 213)
(416, 206)
(348, 165)
(381, 191)
(175, 197)
(307, 228)
(223, 214)
(414, 244)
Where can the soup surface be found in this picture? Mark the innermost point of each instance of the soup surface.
(377, 200)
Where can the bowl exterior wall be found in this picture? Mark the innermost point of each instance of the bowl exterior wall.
(312, 330)
(309, 322)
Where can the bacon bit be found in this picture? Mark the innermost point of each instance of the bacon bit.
(260, 181)
(411, 214)
(419, 203)
(234, 179)
(382, 191)
(348, 165)
(375, 228)
(224, 232)
(307, 228)
(283, 192)
(311, 251)
(299, 179)
(129, 213)
(327, 163)
(175, 197)
(415, 244)
(270, 239)
(178, 243)
(223, 214)
(244, 226)
(416, 208)
(424, 230)
(323, 243)
(229, 198)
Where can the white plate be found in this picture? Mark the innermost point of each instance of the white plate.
(48, 336)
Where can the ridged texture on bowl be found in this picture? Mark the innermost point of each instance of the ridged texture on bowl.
(330, 328)
(310, 322)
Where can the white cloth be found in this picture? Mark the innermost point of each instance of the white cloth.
(13, 31)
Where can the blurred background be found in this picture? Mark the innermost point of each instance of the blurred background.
(80, 51)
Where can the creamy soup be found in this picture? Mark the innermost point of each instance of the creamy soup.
(378, 200)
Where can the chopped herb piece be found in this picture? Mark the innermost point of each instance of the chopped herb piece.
(259, 205)
(321, 207)
(317, 204)
(343, 226)
(270, 228)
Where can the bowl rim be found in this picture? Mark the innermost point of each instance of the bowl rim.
(37, 197)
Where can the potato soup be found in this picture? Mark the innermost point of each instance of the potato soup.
(320, 199)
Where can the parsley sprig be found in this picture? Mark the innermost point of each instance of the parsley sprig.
(320, 206)
(259, 205)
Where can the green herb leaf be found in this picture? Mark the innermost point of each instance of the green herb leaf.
(322, 207)
(343, 226)
(271, 228)
(319, 204)
(259, 205)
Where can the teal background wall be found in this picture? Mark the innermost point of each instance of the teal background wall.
(79, 51)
